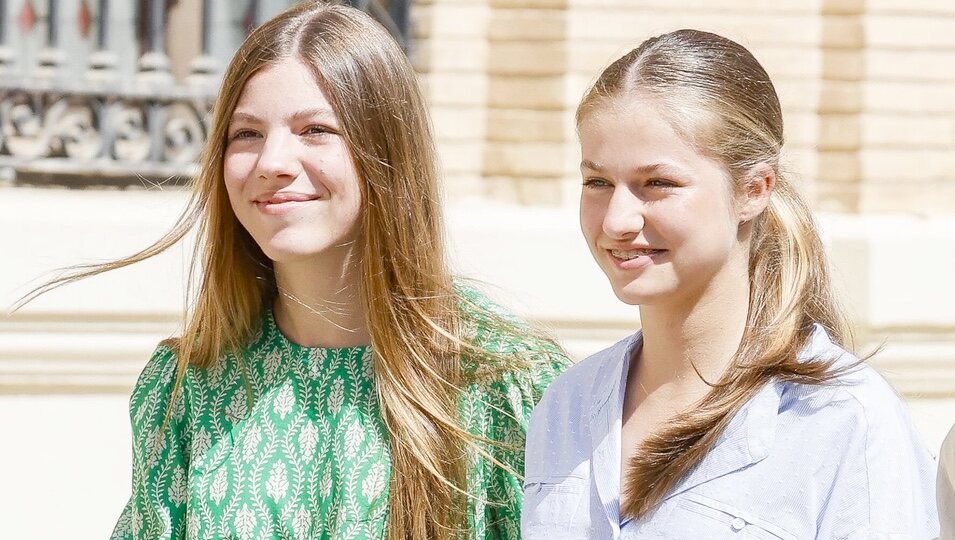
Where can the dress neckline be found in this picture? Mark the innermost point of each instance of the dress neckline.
(272, 328)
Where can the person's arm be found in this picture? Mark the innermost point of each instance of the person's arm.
(157, 507)
(946, 487)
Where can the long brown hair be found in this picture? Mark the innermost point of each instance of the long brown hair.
(417, 324)
(717, 95)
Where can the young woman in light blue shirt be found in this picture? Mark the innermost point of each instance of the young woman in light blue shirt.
(736, 412)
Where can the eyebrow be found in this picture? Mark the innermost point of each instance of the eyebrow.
(640, 170)
(319, 112)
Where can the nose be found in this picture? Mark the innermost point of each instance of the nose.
(278, 158)
(625, 214)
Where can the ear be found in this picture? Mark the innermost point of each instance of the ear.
(760, 182)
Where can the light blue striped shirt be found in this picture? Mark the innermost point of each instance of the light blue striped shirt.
(796, 462)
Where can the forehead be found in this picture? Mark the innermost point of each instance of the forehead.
(633, 128)
(287, 84)
(638, 137)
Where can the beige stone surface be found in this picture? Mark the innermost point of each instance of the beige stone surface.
(527, 125)
(908, 131)
(527, 58)
(527, 25)
(461, 156)
(527, 92)
(460, 123)
(451, 55)
(751, 28)
(526, 160)
(906, 65)
(462, 88)
(915, 32)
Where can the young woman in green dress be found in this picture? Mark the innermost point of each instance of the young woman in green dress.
(332, 380)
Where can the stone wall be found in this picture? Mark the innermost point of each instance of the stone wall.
(868, 94)
(867, 90)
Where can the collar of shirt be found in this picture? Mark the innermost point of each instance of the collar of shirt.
(746, 440)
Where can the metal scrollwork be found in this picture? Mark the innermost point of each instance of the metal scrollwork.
(184, 134)
(96, 132)
(25, 126)
(78, 131)
(132, 142)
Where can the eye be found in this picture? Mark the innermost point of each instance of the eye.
(659, 183)
(596, 183)
(243, 134)
(318, 130)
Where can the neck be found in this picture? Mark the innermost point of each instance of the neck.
(682, 342)
(320, 307)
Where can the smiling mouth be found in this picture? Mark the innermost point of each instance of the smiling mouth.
(289, 198)
(627, 255)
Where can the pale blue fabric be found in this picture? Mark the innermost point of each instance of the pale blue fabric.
(796, 462)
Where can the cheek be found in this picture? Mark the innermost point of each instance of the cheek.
(591, 219)
(235, 171)
(349, 193)
(236, 198)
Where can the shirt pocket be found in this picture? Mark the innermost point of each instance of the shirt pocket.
(720, 520)
(553, 501)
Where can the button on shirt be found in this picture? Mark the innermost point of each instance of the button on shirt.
(797, 461)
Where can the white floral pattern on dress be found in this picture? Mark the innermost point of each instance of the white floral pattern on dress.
(277, 486)
(307, 454)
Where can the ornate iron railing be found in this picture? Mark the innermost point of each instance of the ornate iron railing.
(84, 107)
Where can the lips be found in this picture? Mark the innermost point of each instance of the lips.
(283, 202)
(286, 197)
(629, 254)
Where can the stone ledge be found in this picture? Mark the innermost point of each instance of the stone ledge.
(66, 353)
(70, 356)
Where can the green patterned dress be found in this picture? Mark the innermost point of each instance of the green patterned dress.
(308, 456)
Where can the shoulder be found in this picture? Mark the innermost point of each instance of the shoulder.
(507, 367)
(160, 396)
(158, 375)
(588, 381)
(857, 395)
(858, 400)
(560, 433)
(857, 428)
(491, 327)
(857, 407)
(503, 344)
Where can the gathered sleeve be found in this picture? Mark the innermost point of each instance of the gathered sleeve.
(500, 410)
(157, 505)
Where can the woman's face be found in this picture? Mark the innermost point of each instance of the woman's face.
(290, 177)
(659, 217)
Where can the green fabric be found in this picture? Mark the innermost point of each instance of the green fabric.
(307, 456)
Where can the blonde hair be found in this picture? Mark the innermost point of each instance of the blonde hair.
(717, 95)
(417, 320)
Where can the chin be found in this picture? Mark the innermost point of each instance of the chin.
(630, 299)
(281, 253)
(634, 295)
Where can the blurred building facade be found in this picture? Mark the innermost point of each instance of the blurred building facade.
(868, 91)
(94, 102)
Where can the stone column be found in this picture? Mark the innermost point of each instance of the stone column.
(528, 140)
(907, 153)
(839, 173)
(450, 51)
